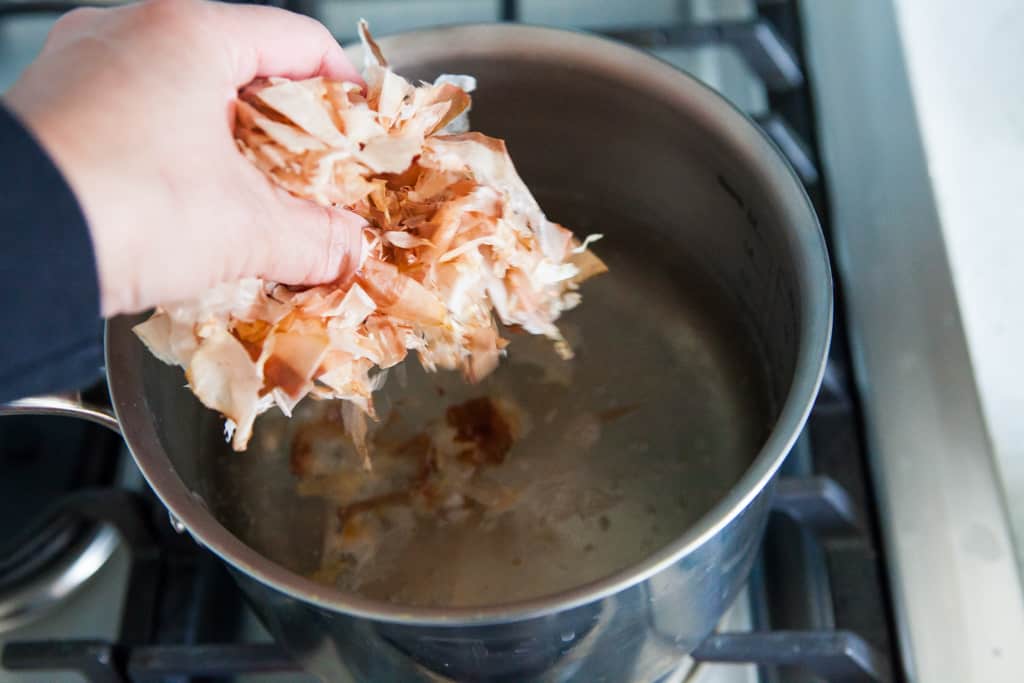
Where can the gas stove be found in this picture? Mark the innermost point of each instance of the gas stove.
(118, 593)
(162, 608)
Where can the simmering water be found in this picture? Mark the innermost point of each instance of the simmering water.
(617, 453)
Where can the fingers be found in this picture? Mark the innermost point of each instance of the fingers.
(306, 244)
(261, 40)
(268, 41)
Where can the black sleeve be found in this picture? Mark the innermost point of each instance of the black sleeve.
(51, 335)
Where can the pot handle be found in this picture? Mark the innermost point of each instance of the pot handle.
(68, 405)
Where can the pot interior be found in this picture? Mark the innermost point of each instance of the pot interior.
(685, 351)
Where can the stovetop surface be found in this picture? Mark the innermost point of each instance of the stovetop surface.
(816, 607)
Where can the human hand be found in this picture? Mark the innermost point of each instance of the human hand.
(136, 106)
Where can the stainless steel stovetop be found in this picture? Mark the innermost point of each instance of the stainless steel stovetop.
(891, 557)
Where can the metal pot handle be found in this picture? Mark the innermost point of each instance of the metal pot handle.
(68, 405)
(72, 405)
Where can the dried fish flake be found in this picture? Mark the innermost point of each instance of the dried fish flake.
(455, 243)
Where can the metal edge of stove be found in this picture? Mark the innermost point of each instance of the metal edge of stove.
(955, 581)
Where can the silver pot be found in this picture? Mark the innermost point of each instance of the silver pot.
(613, 141)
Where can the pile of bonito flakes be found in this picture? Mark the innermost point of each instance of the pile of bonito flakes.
(454, 243)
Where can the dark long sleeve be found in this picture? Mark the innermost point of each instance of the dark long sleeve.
(51, 337)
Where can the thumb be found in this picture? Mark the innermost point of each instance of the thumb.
(310, 244)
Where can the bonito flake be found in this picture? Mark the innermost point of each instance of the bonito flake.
(454, 240)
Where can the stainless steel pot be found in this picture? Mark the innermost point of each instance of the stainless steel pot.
(617, 142)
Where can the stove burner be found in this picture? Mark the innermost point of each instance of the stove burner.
(46, 552)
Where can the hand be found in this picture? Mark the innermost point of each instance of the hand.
(136, 106)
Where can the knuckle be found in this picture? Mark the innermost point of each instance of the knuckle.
(315, 31)
(70, 21)
(168, 13)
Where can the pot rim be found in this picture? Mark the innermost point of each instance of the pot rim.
(763, 157)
